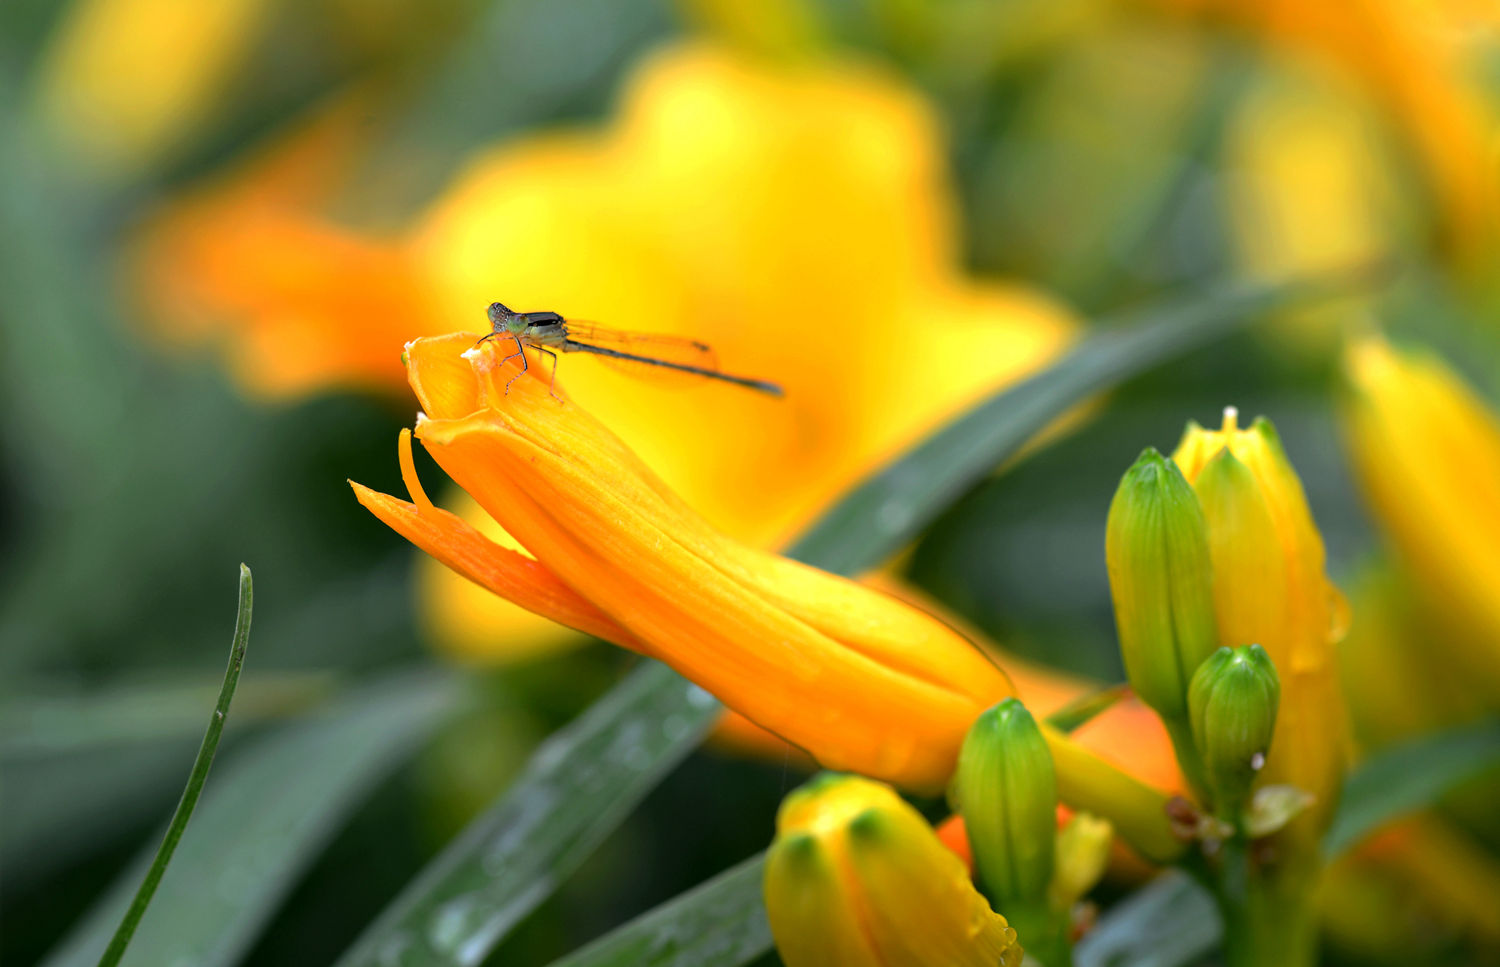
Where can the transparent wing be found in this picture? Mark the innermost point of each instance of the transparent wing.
(646, 347)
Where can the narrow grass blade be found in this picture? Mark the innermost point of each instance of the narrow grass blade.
(196, 778)
(1406, 778)
(721, 923)
(889, 509)
(578, 786)
(1169, 922)
(273, 805)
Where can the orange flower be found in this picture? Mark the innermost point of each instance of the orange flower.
(862, 681)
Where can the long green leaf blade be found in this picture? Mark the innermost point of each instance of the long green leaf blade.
(719, 923)
(891, 507)
(578, 786)
(1409, 777)
(196, 778)
(271, 808)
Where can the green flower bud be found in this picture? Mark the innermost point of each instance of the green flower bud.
(1161, 579)
(1007, 791)
(1233, 702)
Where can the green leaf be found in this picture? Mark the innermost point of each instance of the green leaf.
(1408, 777)
(1079, 712)
(891, 507)
(578, 786)
(196, 778)
(271, 808)
(1169, 922)
(717, 924)
(68, 723)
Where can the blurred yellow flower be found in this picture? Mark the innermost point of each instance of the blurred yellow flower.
(856, 878)
(124, 80)
(862, 681)
(1427, 452)
(1411, 59)
(1308, 190)
(1270, 589)
(796, 217)
(1408, 892)
(126, 86)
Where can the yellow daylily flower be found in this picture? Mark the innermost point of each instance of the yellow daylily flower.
(860, 680)
(856, 878)
(798, 218)
(1270, 589)
(1411, 60)
(1427, 452)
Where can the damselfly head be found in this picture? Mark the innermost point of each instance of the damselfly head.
(504, 320)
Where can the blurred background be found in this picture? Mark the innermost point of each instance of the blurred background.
(220, 222)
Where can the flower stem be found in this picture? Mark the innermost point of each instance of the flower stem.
(1269, 912)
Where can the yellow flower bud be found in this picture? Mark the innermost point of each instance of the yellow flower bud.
(1270, 589)
(857, 878)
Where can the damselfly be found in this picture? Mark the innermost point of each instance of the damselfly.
(550, 333)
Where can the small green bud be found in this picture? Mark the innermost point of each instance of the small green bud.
(1233, 702)
(1161, 579)
(1007, 791)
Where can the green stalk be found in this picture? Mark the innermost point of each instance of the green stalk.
(1270, 917)
(196, 778)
